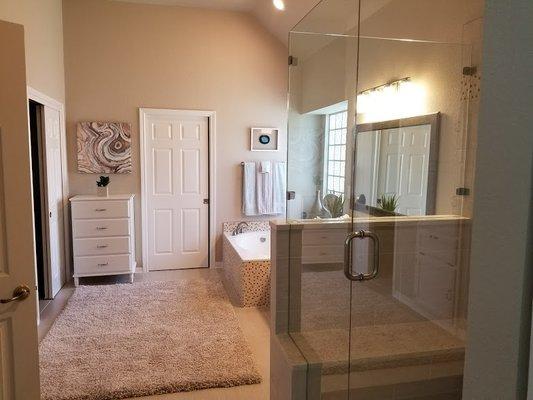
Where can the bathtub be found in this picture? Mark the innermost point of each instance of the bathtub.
(246, 259)
(251, 246)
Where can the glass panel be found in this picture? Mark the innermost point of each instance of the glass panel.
(408, 323)
(322, 87)
(380, 113)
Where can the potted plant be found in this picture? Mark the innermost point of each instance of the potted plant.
(102, 188)
(389, 203)
(334, 204)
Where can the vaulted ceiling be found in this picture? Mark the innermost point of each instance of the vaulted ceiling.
(238, 5)
(277, 22)
(331, 16)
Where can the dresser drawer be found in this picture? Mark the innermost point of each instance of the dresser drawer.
(441, 243)
(100, 209)
(101, 264)
(311, 237)
(86, 228)
(99, 246)
(322, 254)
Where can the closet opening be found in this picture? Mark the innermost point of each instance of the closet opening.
(36, 113)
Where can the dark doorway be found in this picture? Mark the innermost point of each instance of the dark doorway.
(35, 117)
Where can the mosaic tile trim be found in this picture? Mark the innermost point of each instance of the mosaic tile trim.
(249, 281)
(253, 226)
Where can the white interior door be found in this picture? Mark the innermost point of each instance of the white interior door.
(176, 162)
(366, 166)
(54, 197)
(19, 373)
(403, 167)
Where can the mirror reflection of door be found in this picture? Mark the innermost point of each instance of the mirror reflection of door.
(397, 165)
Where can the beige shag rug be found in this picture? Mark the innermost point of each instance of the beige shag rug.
(119, 341)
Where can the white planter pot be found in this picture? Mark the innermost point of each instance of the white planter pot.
(102, 191)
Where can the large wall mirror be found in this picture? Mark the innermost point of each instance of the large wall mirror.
(396, 170)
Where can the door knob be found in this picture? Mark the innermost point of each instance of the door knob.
(20, 293)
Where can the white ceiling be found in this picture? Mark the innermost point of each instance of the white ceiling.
(277, 22)
(238, 5)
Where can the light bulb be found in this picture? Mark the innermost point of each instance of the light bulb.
(279, 4)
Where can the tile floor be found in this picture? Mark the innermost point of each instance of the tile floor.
(254, 324)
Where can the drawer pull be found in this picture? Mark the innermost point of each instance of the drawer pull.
(100, 209)
(101, 228)
(101, 246)
(103, 264)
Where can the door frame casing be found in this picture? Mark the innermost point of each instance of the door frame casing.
(48, 101)
(211, 117)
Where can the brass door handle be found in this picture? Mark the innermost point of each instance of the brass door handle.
(20, 293)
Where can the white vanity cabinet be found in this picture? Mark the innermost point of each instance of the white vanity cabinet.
(431, 270)
(103, 235)
(323, 246)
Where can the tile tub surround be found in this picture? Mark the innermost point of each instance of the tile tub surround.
(247, 280)
(253, 226)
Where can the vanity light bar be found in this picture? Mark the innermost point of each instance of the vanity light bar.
(388, 84)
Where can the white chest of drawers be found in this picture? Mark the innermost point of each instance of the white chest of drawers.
(103, 235)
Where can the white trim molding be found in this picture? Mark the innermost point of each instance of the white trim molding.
(211, 116)
(48, 101)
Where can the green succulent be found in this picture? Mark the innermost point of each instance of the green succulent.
(103, 181)
(389, 203)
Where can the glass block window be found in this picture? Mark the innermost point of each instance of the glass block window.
(337, 125)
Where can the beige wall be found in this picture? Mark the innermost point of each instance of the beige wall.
(501, 273)
(121, 56)
(43, 30)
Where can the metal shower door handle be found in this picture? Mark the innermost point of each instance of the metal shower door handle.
(348, 256)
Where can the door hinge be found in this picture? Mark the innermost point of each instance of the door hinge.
(291, 195)
(462, 191)
(206, 201)
(469, 71)
(293, 61)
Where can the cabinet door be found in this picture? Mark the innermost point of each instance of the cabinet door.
(436, 290)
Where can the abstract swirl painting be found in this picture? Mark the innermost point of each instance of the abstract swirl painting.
(104, 147)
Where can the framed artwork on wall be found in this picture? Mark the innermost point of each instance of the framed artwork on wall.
(104, 147)
(264, 139)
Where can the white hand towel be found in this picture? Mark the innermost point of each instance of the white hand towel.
(249, 198)
(266, 167)
(264, 192)
(279, 188)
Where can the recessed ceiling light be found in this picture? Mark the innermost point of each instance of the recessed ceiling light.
(279, 4)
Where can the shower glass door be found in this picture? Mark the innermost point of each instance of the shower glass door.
(381, 138)
(322, 76)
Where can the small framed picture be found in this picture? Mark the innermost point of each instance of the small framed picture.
(264, 139)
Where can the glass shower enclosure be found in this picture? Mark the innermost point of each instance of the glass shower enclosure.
(381, 131)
